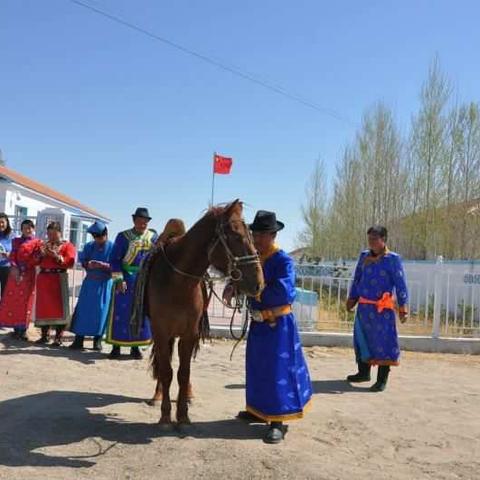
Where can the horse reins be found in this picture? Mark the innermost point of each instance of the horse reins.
(234, 274)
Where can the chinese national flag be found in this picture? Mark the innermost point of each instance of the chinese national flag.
(222, 165)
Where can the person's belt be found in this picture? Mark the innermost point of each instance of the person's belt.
(271, 314)
(53, 270)
(130, 268)
(386, 302)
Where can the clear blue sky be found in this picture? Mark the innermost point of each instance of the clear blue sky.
(117, 120)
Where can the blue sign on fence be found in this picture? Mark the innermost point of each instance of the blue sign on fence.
(337, 271)
(471, 279)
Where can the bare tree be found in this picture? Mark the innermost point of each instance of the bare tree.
(428, 150)
(426, 189)
(313, 211)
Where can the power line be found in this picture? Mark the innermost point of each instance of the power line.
(217, 63)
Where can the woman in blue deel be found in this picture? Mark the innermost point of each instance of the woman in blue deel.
(278, 387)
(90, 316)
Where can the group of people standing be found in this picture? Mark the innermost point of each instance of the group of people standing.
(34, 277)
(23, 290)
(278, 386)
(105, 302)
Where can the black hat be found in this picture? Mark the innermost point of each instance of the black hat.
(142, 212)
(266, 222)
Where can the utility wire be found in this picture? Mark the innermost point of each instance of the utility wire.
(217, 63)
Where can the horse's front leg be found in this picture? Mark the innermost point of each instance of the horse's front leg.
(185, 349)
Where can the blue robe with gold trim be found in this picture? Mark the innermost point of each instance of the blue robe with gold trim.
(278, 382)
(375, 335)
(128, 251)
(91, 311)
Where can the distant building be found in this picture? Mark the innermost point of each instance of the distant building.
(22, 198)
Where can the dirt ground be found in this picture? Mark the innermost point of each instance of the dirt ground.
(66, 415)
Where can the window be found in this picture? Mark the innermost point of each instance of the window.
(74, 232)
(84, 236)
(21, 214)
(21, 211)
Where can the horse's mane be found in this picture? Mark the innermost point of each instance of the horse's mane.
(220, 209)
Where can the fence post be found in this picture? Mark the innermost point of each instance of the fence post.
(437, 297)
(74, 286)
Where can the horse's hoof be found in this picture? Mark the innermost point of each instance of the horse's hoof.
(165, 425)
(183, 421)
(183, 427)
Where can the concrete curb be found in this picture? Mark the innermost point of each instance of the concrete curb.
(470, 346)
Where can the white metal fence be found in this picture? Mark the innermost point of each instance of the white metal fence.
(75, 279)
(442, 303)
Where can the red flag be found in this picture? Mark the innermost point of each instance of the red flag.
(222, 165)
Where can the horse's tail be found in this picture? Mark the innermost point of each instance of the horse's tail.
(154, 363)
(204, 324)
(155, 358)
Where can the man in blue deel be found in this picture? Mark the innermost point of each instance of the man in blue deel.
(278, 385)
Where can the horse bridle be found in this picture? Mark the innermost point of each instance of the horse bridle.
(233, 271)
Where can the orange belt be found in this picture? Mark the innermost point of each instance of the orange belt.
(385, 303)
(271, 314)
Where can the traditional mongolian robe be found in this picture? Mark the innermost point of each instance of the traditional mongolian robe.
(375, 332)
(17, 300)
(128, 251)
(91, 311)
(52, 305)
(278, 384)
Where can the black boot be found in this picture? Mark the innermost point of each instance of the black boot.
(77, 343)
(382, 378)
(58, 342)
(21, 334)
(249, 417)
(275, 433)
(363, 374)
(115, 353)
(97, 343)
(135, 353)
(44, 338)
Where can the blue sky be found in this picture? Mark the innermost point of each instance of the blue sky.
(117, 120)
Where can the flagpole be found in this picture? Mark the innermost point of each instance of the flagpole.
(213, 178)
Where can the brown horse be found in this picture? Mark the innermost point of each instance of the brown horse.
(175, 293)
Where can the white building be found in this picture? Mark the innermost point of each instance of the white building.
(22, 198)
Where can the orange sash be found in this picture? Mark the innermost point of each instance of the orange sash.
(385, 303)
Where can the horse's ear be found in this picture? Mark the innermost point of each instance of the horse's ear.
(235, 207)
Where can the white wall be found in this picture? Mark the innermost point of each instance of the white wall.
(456, 282)
(12, 196)
(19, 196)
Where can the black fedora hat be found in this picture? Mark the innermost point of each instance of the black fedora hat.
(265, 221)
(142, 213)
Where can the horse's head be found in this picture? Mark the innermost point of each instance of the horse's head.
(233, 252)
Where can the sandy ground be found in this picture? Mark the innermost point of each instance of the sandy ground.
(70, 415)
